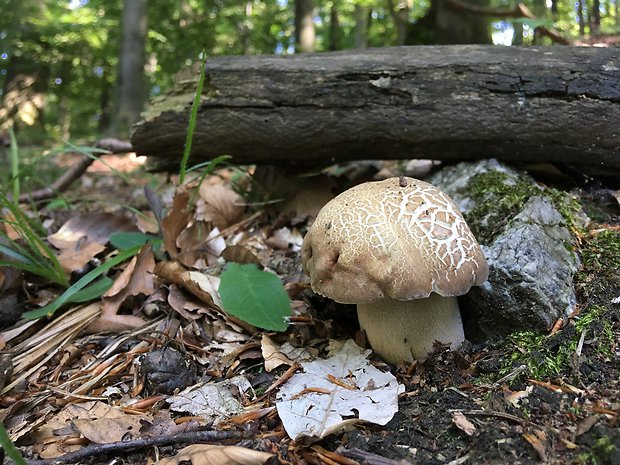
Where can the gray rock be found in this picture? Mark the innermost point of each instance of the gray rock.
(532, 260)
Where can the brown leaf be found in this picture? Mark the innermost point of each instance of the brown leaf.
(199, 284)
(272, 355)
(74, 259)
(89, 227)
(136, 279)
(308, 198)
(206, 454)
(176, 221)
(199, 245)
(240, 254)
(220, 205)
(536, 441)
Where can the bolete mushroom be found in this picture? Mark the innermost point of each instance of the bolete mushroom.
(401, 250)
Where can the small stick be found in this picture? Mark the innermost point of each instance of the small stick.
(489, 413)
(126, 446)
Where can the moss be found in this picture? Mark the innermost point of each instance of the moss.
(602, 253)
(549, 356)
(500, 196)
(599, 281)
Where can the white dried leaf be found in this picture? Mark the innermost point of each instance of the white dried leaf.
(214, 401)
(336, 392)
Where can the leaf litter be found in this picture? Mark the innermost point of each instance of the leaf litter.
(226, 375)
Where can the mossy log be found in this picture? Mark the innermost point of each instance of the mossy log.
(519, 104)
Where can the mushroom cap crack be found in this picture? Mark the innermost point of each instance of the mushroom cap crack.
(400, 238)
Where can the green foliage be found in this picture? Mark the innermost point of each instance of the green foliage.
(499, 197)
(77, 290)
(29, 253)
(10, 448)
(255, 296)
(602, 253)
(129, 240)
(192, 119)
(550, 356)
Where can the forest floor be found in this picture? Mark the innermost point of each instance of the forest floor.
(79, 384)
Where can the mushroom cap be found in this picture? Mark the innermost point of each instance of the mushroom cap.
(400, 238)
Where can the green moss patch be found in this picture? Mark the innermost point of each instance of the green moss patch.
(500, 196)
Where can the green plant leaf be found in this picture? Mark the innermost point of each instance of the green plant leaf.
(255, 296)
(88, 278)
(128, 240)
(10, 448)
(93, 291)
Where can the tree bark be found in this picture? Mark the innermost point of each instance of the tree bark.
(361, 26)
(305, 34)
(558, 104)
(131, 85)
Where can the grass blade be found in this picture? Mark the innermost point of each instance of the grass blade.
(88, 278)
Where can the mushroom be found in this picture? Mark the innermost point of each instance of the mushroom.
(401, 250)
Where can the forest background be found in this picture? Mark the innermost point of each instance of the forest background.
(84, 69)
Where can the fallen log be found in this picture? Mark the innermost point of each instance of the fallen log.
(519, 104)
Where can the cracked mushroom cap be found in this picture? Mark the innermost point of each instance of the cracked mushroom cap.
(400, 238)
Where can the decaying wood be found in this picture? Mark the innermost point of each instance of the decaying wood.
(558, 104)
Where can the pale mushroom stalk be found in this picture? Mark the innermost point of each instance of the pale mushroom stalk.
(407, 330)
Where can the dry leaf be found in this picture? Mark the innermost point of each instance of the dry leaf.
(308, 198)
(462, 423)
(199, 284)
(207, 454)
(240, 254)
(89, 227)
(514, 397)
(273, 357)
(285, 239)
(74, 259)
(536, 441)
(200, 245)
(220, 205)
(136, 279)
(175, 222)
(97, 421)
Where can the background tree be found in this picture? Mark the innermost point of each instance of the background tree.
(60, 60)
(131, 84)
(304, 26)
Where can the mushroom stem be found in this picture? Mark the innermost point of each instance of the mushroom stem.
(406, 330)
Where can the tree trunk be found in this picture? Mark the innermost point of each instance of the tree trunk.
(400, 15)
(304, 26)
(457, 27)
(334, 28)
(450, 102)
(581, 8)
(361, 26)
(131, 85)
(596, 17)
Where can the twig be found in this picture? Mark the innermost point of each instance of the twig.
(63, 182)
(368, 457)
(126, 446)
(490, 413)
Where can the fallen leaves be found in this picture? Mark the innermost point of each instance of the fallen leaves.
(205, 454)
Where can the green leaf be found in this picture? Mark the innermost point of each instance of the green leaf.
(91, 292)
(70, 293)
(255, 296)
(128, 240)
